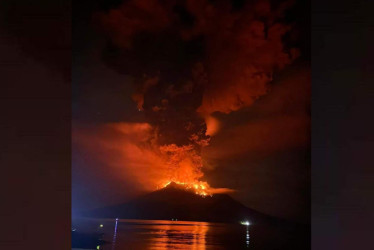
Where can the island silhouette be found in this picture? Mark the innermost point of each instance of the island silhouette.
(175, 202)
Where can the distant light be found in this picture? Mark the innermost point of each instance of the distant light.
(245, 223)
(101, 225)
(116, 218)
(73, 229)
(98, 247)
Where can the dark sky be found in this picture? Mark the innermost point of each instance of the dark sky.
(261, 149)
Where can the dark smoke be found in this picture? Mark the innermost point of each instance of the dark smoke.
(190, 59)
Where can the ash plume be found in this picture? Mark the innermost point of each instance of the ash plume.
(190, 59)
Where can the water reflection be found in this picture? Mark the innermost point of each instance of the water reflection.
(189, 235)
(141, 234)
(157, 234)
(114, 235)
(247, 237)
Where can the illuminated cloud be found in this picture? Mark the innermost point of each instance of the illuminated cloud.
(189, 61)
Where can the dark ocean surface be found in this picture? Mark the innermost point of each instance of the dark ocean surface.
(162, 234)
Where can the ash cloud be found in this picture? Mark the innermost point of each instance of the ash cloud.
(191, 59)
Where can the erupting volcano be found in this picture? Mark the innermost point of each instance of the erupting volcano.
(189, 74)
(205, 58)
(184, 168)
(200, 188)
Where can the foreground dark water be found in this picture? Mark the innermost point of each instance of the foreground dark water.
(161, 234)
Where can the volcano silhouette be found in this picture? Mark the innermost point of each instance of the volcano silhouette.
(175, 202)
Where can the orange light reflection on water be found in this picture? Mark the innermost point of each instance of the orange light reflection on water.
(180, 235)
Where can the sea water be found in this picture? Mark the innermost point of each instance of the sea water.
(174, 234)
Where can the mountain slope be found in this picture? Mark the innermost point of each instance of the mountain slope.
(176, 202)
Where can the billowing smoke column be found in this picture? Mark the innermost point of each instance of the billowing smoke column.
(190, 59)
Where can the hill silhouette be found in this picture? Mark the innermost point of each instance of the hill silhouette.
(175, 202)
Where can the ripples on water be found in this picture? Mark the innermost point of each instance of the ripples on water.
(158, 234)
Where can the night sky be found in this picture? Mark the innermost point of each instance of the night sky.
(166, 72)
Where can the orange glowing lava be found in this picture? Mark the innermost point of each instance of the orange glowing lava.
(183, 164)
(198, 187)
